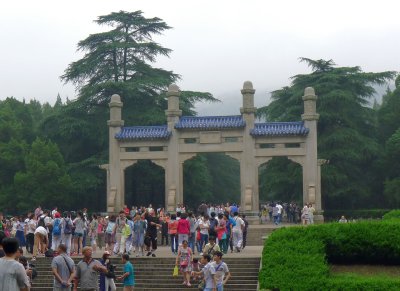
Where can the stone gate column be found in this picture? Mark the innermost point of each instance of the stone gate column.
(173, 184)
(248, 168)
(115, 193)
(310, 117)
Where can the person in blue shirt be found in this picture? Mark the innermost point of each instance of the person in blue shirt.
(128, 275)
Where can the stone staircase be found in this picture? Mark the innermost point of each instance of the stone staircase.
(152, 274)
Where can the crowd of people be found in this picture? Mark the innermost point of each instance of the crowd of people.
(278, 212)
(210, 231)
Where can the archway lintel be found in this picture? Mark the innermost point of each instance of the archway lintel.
(234, 155)
(127, 163)
(185, 157)
(297, 159)
(160, 162)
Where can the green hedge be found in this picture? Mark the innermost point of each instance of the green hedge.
(394, 214)
(297, 258)
(334, 215)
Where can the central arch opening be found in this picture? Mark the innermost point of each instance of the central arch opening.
(280, 179)
(145, 184)
(211, 177)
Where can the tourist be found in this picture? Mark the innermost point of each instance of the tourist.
(184, 259)
(305, 215)
(204, 227)
(245, 229)
(87, 271)
(40, 241)
(164, 229)
(93, 225)
(79, 223)
(30, 233)
(192, 236)
(128, 276)
(57, 231)
(139, 229)
(107, 279)
(20, 231)
(211, 247)
(66, 226)
(183, 229)
(221, 270)
(125, 233)
(129, 239)
(120, 224)
(208, 273)
(172, 230)
(12, 274)
(101, 226)
(212, 231)
(311, 211)
(110, 233)
(280, 211)
(63, 268)
(222, 233)
(275, 213)
(237, 232)
(151, 233)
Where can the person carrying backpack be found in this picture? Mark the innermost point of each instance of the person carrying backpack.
(66, 231)
(56, 232)
(212, 231)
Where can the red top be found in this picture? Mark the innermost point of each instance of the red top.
(183, 226)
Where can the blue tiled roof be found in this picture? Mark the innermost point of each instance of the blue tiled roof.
(143, 132)
(279, 129)
(210, 122)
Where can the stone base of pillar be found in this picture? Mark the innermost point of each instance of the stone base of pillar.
(318, 218)
(252, 217)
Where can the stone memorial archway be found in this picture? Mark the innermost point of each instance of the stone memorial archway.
(238, 136)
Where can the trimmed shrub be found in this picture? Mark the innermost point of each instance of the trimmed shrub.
(296, 258)
(394, 214)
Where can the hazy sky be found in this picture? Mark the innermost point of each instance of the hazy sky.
(217, 44)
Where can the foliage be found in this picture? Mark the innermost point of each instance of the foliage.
(44, 179)
(347, 129)
(297, 258)
(281, 180)
(393, 214)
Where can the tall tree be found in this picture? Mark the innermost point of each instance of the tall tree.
(117, 61)
(346, 128)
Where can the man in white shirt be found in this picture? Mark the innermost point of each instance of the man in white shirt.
(280, 207)
(221, 269)
(237, 232)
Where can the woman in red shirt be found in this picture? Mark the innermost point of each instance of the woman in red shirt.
(183, 229)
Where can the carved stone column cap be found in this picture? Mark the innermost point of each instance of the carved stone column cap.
(309, 94)
(173, 90)
(248, 88)
(115, 98)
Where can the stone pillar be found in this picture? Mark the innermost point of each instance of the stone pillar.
(173, 183)
(248, 167)
(115, 193)
(311, 184)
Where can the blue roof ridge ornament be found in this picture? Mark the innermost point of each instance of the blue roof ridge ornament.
(143, 133)
(210, 122)
(294, 128)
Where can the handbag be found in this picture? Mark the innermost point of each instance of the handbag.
(184, 264)
(175, 272)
